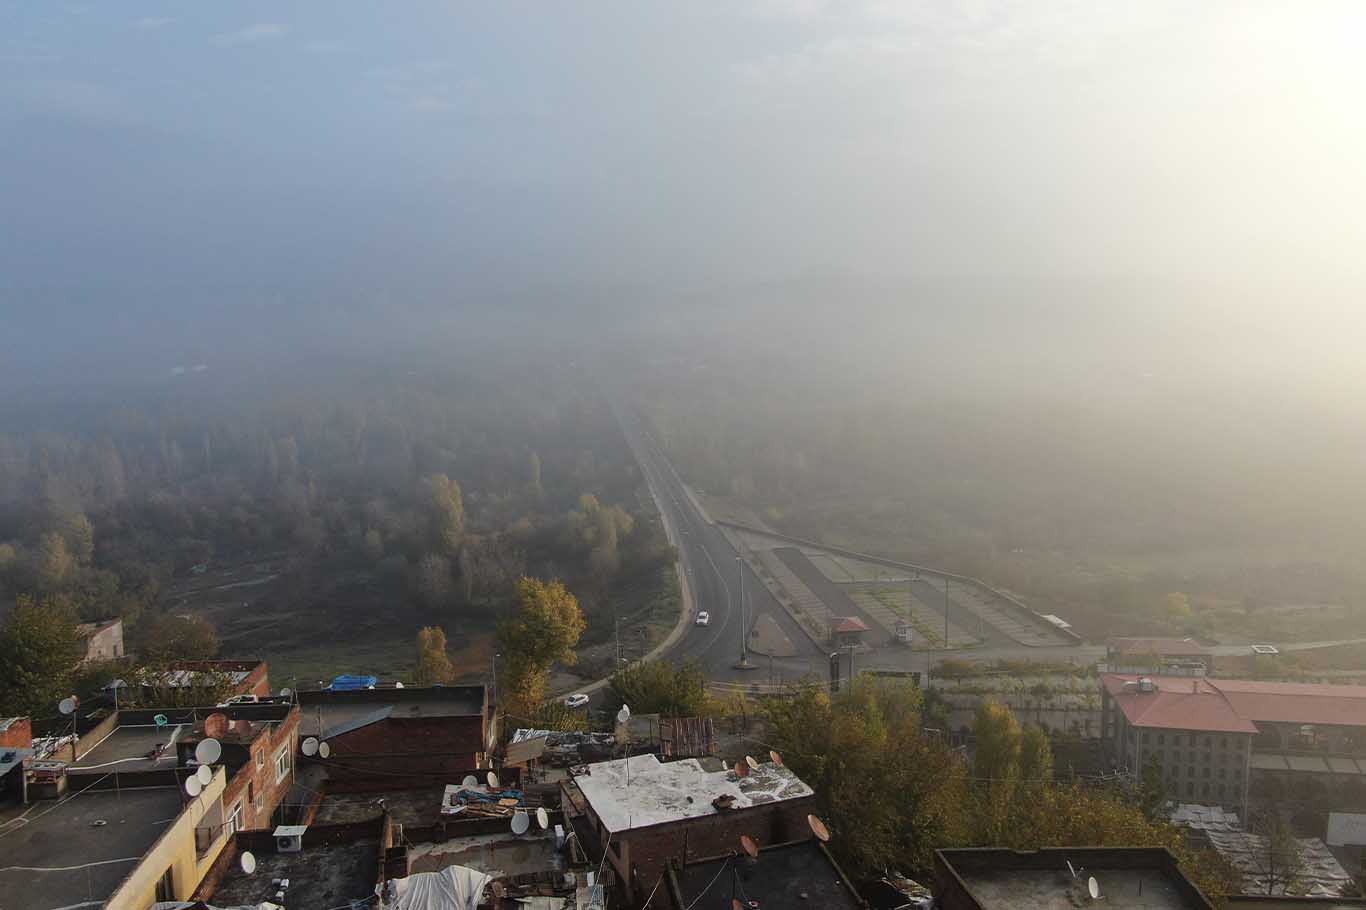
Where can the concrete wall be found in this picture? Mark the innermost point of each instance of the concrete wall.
(175, 850)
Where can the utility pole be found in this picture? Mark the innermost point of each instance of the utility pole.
(744, 635)
(946, 612)
(616, 629)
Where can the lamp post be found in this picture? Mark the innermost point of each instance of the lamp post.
(744, 663)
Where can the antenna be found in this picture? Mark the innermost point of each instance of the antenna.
(248, 862)
(818, 828)
(208, 751)
(470, 782)
(310, 746)
(1093, 888)
(193, 786)
(68, 705)
(493, 780)
(542, 817)
(205, 775)
(521, 823)
(750, 846)
(216, 725)
(753, 765)
(324, 750)
(775, 757)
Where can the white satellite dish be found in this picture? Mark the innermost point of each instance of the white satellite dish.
(193, 786)
(542, 818)
(1093, 888)
(208, 751)
(470, 782)
(324, 750)
(248, 862)
(493, 781)
(624, 714)
(68, 705)
(286, 692)
(205, 775)
(398, 685)
(521, 823)
(753, 765)
(310, 746)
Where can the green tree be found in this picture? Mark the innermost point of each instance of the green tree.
(166, 639)
(445, 508)
(39, 650)
(658, 687)
(1036, 754)
(998, 742)
(433, 664)
(542, 630)
(1152, 791)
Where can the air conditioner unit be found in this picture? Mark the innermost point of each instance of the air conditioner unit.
(290, 838)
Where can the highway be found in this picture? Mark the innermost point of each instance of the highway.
(713, 570)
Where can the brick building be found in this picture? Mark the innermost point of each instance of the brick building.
(643, 814)
(437, 732)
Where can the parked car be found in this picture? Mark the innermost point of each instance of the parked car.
(703, 618)
(577, 700)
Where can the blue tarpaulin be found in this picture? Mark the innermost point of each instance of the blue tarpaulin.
(347, 682)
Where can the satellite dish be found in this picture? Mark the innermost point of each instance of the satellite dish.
(741, 769)
(68, 705)
(398, 685)
(248, 862)
(493, 781)
(1093, 888)
(205, 774)
(542, 818)
(775, 757)
(521, 823)
(193, 786)
(286, 692)
(624, 714)
(310, 746)
(750, 846)
(753, 765)
(324, 750)
(208, 751)
(216, 725)
(470, 782)
(818, 828)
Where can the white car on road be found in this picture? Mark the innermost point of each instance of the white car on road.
(703, 618)
(577, 700)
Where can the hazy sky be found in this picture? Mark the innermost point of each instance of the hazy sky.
(332, 144)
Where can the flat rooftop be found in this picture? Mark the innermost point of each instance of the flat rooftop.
(130, 748)
(416, 807)
(326, 713)
(498, 855)
(52, 834)
(651, 792)
(796, 876)
(321, 877)
(1129, 879)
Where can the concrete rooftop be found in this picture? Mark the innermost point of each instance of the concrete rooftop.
(55, 834)
(651, 792)
(784, 877)
(127, 748)
(321, 877)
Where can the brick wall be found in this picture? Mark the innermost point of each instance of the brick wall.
(440, 747)
(18, 734)
(254, 785)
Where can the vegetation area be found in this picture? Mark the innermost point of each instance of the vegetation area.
(366, 500)
(891, 795)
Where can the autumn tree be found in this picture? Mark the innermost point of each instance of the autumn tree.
(165, 639)
(998, 742)
(433, 665)
(1036, 754)
(39, 650)
(444, 506)
(542, 630)
(658, 687)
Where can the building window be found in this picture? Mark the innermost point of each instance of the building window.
(1223, 742)
(1221, 791)
(166, 886)
(1161, 738)
(251, 794)
(1204, 789)
(234, 820)
(1207, 742)
(1206, 771)
(260, 758)
(281, 764)
(1176, 739)
(1145, 737)
(1190, 788)
(1223, 773)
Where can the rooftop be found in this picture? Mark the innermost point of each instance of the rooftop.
(68, 834)
(321, 877)
(1128, 878)
(130, 748)
(1232, 705)
(497, 855)
(1320, 876)
(417, 807)
(784, 876)
(847, 624)
(658, 792)
(331, 713)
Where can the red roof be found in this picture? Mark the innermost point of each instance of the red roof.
(1165, 647)
(1232, 705)
(847, 624)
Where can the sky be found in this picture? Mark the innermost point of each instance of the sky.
(176, 152)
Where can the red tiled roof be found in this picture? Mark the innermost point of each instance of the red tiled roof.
(1171, 647)
(1178, 703)
(1232, 705)
(847, 624)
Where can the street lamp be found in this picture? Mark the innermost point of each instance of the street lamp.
(744, 663)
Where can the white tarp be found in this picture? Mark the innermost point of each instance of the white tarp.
(1346, 828)
(453, 888)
